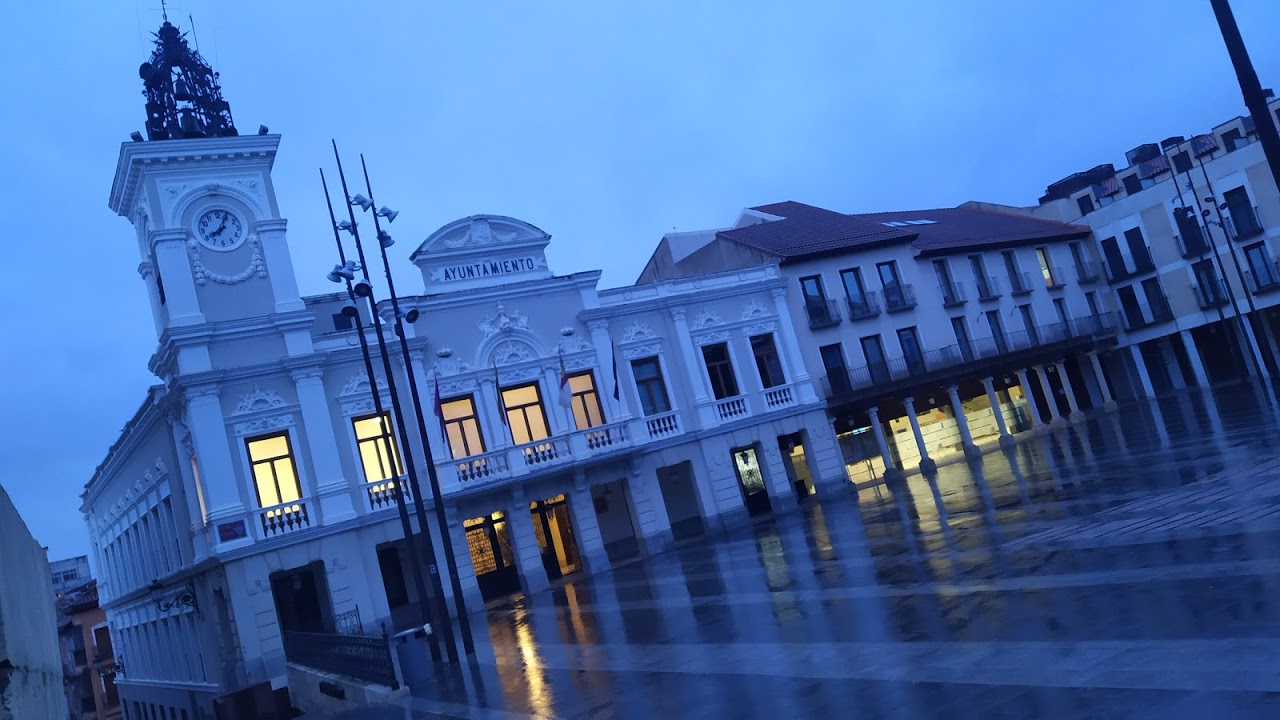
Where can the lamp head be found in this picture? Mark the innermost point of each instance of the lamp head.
(135, 136)
(347, 225)
(411, 316)
(387, 213)
(364, 202)
(349, 309)
(384, 239)
(262, 130)
(345, 271)
(363, 288)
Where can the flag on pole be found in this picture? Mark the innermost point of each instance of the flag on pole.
(497, 388)
(566, 393)
(614, 350)
(439, 408)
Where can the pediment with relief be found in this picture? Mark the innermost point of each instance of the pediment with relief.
(481, 233)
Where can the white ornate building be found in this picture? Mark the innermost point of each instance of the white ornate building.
(247, 496)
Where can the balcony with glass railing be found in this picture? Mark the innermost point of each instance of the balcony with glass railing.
(1137, 317)
(984, 356)
(1209, 295)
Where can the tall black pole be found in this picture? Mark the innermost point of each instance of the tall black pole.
(424, 608)
(437, 499)
(428, 547)
(1250, 87)
(1246, 330)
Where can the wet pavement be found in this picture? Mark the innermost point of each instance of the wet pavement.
(1122, 567)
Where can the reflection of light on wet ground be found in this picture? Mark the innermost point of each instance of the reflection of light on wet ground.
(1095, 571)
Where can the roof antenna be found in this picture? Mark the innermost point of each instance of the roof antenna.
(164, 11)
(194, 39)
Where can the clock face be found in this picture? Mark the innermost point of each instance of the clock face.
(220, 230)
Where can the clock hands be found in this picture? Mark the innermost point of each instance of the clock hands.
(221, 227)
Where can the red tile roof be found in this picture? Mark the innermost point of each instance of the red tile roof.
(808, 231)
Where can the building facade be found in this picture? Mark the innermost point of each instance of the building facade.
(88, 660)
(931, 332)
(30, 671)
(69, 573)
(253, 493)
(1188, 234)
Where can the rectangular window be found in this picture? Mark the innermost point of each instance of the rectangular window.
(1156, 300)
(980, 279)
(1046, 268)
(961, 330)
(1010, 263)
(525, 415)
(877, 363)
(811, 288)
(997, 331)
(1085, 204)
(837, 371)
(1232, 139)
(1029, 324)
(909, 341)
(853, 287)
(1134, 318)
(341, 323)
(462, 427)
(587, 412)
(1261, 268)
(889, 275)
(720, 370)
(1115, 260)
(393, 576)
(1138, 250)
(1182, 162)
(1132, 184)
(1243, 219)
(1060, 307)
(650, 386)
(767, 362)
(377, 445)
(275, 477)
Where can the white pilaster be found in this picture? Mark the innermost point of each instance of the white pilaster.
(1193, 355)
(787, 332)
(174, 267)
(586, 526)
(525, 545)
(218, 472)
(275, 253)
(881, 443)
(332, 491)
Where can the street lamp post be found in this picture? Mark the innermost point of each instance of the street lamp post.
(1250, 87)
(403, 431)
(385, 241)
(345, 272)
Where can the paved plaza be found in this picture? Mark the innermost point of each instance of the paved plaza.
(1122, 567)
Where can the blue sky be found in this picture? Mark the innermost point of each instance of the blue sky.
(605, 124)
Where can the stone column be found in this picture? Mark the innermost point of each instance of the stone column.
(1171, 361)
(332, 491)
(1006, 440)
(1108, 402)
(489, 408)
(927, 465)
(1039, 423)
(1270, 336)
(882, 443)
(217, 467)
(962, 422)
(791, 347)
(1055, 419)
(653, 525)
(1193, 355)
(689, 357)
(586, 526)
(1076, 414)
(1143, 377)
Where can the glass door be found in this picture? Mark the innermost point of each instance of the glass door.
(877, 365)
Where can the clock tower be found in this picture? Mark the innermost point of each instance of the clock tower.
(211, 241)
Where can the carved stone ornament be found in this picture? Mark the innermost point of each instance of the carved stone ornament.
(265, 424)
(511, 352)
(759, 328)
(257, 266)
(754, 309)
(707, 318)
(479, 233)
(712, 337)
(503, 322)
(458, 387)
(359, 383)
(449, 364)
(257, 400)
(638, 331)
(636, 351)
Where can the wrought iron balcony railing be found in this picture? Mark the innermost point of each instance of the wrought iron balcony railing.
(952, 294)
(899, 297)
(822, 313)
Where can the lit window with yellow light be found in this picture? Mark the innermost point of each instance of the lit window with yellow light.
(525, 415)
(462, 427)
(587, 412)
(378, 453)
(275, 476)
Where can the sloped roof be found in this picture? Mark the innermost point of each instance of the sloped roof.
(805, 230)
(808, 231)
(966, 227)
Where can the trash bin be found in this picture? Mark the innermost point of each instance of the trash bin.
(413, 650)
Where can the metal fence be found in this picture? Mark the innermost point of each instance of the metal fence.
(356, 656)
